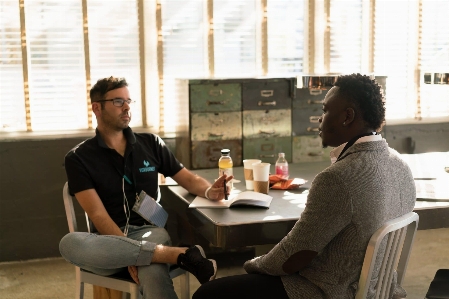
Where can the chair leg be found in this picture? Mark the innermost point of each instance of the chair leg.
(134, 293)
(79, 288)
(185, 286)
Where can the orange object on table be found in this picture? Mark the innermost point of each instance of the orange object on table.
(278, 183)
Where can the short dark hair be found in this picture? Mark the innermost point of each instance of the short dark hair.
(104, 85)
(366, 94)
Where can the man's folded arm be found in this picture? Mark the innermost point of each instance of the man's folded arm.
(93, 206)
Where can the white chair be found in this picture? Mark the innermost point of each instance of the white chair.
(124, 284)
(401, 232)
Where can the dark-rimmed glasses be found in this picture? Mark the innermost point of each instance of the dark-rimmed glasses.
(118, 102)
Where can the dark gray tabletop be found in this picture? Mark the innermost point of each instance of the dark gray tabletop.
(247, 226)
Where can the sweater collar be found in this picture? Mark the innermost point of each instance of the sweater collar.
(336, 151)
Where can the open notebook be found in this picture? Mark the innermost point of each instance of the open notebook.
(244, 198)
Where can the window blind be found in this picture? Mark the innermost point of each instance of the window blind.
(395, 55)
(285, 37)
(235, 38)
(56, 64)
(434, 98)
(345, 24)
(410, 38)
(184, 55)
(12, 104)
(114, 47)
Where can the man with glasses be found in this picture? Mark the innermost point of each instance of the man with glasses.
(106, 174)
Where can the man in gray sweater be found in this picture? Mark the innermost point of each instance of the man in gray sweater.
(366, 185)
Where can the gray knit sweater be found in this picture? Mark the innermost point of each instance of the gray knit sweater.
(347, 203)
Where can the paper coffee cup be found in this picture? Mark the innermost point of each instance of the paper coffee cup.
(248, 171)
(261, 174)
(261, 187)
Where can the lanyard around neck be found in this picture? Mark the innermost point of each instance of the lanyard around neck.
(353, 140)
(123, 175)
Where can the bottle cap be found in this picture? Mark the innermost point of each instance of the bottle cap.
(225, 151)
(281, 154)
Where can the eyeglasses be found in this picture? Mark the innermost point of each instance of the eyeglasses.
(118, 102)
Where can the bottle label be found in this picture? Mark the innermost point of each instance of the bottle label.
(282, 171)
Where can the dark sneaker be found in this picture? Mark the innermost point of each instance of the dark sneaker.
(194, 260)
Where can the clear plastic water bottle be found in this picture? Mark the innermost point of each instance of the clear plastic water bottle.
(225, 165)
(281, 167)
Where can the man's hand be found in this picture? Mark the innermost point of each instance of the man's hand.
(217, 191)
(133, 272)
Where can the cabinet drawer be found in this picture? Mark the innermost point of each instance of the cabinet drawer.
(267, 149)
(267, 123)
(309, 149)
(267, 94)
(305, 121)
(216, 126)
(205, 154)
(307, 98)
(215, 97)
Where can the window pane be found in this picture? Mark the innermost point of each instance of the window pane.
(12, 100)
(184, 55)
(114, 47)
(56, 64)
(435, 57)
(235, 38)
(395, 38)
(285, 37)
(345, 36)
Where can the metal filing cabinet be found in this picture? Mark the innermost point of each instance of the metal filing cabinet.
(256, 118)
(266, 116)
(215, 121)
(306, 110)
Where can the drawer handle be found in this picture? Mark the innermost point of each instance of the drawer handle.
(310, 129)
(266, 156)
(215, 92)
(314, 119)
(315, 92)
(213, 159)
(215, 102)
(319, 102)
(267, 147)
(216, 134)
(266, 93)
(266, 132)
(315, 154)
(262, 103)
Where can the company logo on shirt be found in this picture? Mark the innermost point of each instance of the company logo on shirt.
(147, 167)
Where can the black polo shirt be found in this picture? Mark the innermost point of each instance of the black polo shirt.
(93, 165)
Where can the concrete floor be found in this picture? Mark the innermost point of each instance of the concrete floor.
(55, 278)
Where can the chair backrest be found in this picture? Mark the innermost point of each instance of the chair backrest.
(70, 210)
(400, 233)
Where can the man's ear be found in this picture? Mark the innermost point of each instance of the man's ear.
(96, 107)
(350, 116)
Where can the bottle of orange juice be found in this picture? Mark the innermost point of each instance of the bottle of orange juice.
(225, 165)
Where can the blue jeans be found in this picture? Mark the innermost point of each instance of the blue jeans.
(106, 255)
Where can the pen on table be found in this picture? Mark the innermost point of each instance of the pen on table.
(226, 193)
